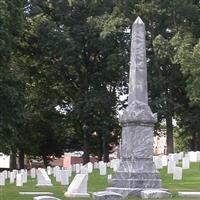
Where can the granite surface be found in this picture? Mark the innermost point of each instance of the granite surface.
(106, 195)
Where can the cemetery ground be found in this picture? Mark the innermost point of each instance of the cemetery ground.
(190, 182)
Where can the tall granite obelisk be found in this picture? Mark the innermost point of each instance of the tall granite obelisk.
(137, 173)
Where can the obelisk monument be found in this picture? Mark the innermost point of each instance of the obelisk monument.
(137, 175)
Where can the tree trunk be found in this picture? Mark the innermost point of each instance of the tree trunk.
(86, 157)
(100, 143)
(44, 157)
(170, 139)
(105, 148)
(13, 164)
(21, 159)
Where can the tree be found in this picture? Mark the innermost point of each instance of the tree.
(79, 57)
(164, 19)
(11, 85)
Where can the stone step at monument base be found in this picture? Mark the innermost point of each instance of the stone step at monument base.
(106, 195)
(137, 175)
(136, 183)
(126, 192)
(147, 193)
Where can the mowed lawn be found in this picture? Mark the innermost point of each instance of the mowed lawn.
(190, 182)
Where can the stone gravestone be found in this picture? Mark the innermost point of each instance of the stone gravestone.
(171, 166)
(64, 177)
(158, 162)
(12, 177)
(164, 160)
(58, 175)
(2, 179)
(103, 169)
(96, 165)
(78, 168)
(84, 169)
(49, 170)
(177, 175)
(78, 187)
(42, 178)
(193, 156)
(137, 172)
(90, 167)
(69, 171)
(5, 174)
(186, 163)
(109, 178)
(24, 174)
(33, 173)
(55, 169)
(19, 180)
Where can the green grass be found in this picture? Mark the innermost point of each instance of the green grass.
(190, 182)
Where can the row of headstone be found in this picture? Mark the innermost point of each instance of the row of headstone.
(19, 176)
(173, 159)
(163, 160)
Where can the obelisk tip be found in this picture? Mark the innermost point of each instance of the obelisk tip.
(138, 21)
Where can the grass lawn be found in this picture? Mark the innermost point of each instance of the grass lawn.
(190, 182)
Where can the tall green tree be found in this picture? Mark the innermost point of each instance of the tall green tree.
(11, 84)
(77, 53)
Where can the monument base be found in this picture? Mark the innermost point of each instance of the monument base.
(106, 195)
(115, 193)
(77, 195)
(155, 194)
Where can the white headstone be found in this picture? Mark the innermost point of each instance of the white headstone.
(173, 157)
(78, 187)
(5, 173)
(8, 174)
(84, 169)
(58, 175)
(2, 179)
(25, 176)
(103, 169)
(55, 170)
(49, 170)
(109, 178)
(181, 155)
(70, 171)
(64, 177)
(108, 164)
(170, 167)
(73, 168)
(164, 160)
(15, 173)
(78, 168)
(177, 175)
(33, 173)
(186, 163)
(19, 180)
(42, 178)
(90, 167)
(115, 165)
(193, 156)
(198, 156)
(12, 177)
(158, 162)
(96, 165)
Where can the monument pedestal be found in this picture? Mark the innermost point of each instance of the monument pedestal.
(137, 175)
